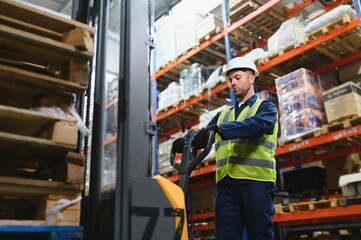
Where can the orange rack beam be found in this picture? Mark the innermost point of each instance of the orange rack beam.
(340, 62)
(110, 140)
(298, 8)
(203, 227)
(326, 215)
(335, 214)
(196, 172)
(322, 156)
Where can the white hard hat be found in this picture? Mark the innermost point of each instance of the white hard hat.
(240, 62)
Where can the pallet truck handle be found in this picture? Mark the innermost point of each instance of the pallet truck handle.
(198, 158)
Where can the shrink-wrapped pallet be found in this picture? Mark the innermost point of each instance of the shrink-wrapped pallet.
(330, 17)
(164, 157)
(169, 96)
(165, 40)
(193, 79)
(204, 119)
(211, 25)
(289, 35)
(268, 95)
(257, 55)
(300, 104)
(185, 22)
(214, 78)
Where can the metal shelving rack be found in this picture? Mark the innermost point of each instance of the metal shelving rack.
(186, 110)
(291, 154)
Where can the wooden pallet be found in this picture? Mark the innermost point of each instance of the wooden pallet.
(306, 206)
(242, 9)
(209, 162)
(40, 209)
(315, 133)
(343, 45)
(264, 25)
(347, 201)
(170, 174)
(47, 25)
(340, 124)
(283, 51)
(209, 35)
(28, 125)
(33, 87)
(43, 170)
(261, 61)
(28, 51)
(328, 27)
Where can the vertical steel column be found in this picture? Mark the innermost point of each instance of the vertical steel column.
(80, 10)
(227, 42)
(357, 7)
(154, 89)
(133, 143)
(97, 151)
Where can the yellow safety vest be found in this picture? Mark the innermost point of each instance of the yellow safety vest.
(246, 158)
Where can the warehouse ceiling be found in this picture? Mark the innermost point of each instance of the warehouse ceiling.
(64, 6)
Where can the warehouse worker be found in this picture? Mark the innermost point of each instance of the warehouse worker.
(245, 144)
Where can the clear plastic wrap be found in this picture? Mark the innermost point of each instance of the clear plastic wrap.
(65, 112)
(214, 78)
(329, 17)
(204, 119)
(300, 104)
(53, 215)
(165, 40)
(268, 95)
(211, 24)
(193, 79)
(164, 149)
(257, 54)
(169, 96)
(185, 21)
(299, 123)
(164, 157)
(290, 34)
(207, 116)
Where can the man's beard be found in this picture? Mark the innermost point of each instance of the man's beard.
(241, 94)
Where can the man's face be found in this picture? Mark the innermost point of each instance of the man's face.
(241, 82)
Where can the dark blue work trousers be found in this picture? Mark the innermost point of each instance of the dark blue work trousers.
(244, 204)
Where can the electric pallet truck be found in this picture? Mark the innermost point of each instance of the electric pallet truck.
(158, 205)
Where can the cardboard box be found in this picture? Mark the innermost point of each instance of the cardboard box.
(350, 184)
(342, 101)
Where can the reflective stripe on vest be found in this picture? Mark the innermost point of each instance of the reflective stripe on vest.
(247, 161)
(261, 142)
(246, 158)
